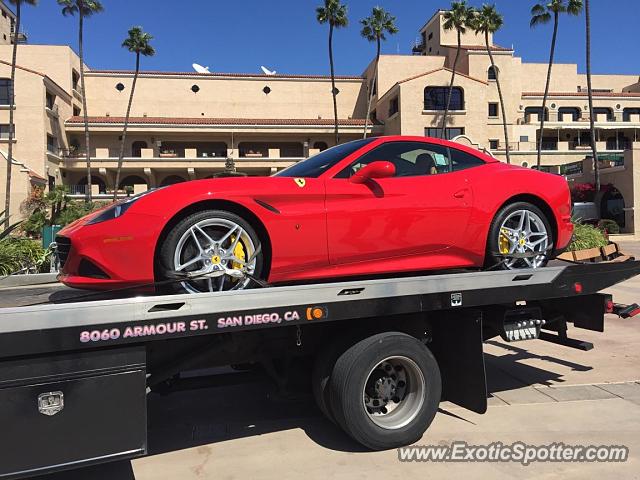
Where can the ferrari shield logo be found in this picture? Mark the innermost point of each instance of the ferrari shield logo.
(50, 403)
(301, 182)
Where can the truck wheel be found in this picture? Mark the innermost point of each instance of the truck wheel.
(384, 391)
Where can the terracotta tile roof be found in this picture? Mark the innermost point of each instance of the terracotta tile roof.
(221, 74)
(219, 121)
(35, 176)
(582, 94)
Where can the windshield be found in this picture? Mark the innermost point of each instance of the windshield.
(318, 164)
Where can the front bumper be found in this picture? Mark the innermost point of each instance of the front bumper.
(112, 254)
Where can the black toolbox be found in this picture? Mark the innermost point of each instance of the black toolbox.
(71, 410)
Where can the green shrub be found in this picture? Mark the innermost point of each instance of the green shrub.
(587, 236)
(21, 255)
(33, 225)
(609, 226)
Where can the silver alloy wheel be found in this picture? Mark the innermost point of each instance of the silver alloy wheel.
(213, 245)
(523, 232)
(394, 392)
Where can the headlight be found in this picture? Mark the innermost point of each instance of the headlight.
(114, 211)
(118, 209)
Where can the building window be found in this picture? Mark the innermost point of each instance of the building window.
(435, 98)
(4, 132)
(76, 111)
(607, 112)
(75, 78)
(524, 138)
(493, 109)
(320, 146)
(492, 73)
(535, 114)
(494, 144)
(50, 100)
(430, 35)
(450, 133)
(136, 148)
(393, 106)
(52, 144)
(5, 91)
(566, 114)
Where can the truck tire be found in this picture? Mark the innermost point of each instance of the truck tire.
(322, 368)
(384, 391)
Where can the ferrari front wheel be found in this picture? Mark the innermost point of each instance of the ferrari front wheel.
(520, 237)
(211, 251)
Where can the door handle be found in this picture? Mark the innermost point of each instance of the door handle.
(461, 193)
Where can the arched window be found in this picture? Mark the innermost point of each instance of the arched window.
(136, 148)
(95, 180)
(603, 114)
(566, 114)
(435, 98)
(171, 179)
(132, 180)
(492, 73)
(535, 114)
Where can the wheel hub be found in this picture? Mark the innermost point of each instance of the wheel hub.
(393, 393)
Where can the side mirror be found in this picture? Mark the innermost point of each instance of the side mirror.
(377, 169)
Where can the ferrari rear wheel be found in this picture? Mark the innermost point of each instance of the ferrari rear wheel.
(520, 237)
(214, 250)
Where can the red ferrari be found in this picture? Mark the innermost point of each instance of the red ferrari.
(368, 207)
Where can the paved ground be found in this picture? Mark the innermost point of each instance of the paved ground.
(540, 393)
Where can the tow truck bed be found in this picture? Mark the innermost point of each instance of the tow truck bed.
(58, 361)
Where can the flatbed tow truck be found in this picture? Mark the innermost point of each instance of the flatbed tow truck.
(74, 376)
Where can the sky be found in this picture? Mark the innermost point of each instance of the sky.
(241, 35)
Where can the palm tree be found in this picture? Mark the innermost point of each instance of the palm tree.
(84, 8)
(137, 42)
(374, 28)
(455, 19)
(592, 128)
(488, 21)
(7, 200)
(542, 13)
(335, 14)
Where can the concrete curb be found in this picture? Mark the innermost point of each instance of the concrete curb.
(31, 279)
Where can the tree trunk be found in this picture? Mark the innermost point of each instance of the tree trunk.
(126, 124)
(592, 128)
(12, 97)
(503, 111)
(556, 19)
(453, 77)
(333, 84)
(371, 89)
(84, 107)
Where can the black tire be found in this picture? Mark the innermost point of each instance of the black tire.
(167, 249)
(351, 373)
(493, 259)
(322, 368)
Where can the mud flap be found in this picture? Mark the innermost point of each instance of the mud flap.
(457, 345)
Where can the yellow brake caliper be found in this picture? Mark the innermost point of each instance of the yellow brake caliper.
(504, 242)
(239, 253)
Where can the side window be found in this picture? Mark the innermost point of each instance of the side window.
(414, 159)
(461, 160)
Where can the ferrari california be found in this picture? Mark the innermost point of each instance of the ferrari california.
(376, 206)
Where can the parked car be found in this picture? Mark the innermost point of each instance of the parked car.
(368, 207)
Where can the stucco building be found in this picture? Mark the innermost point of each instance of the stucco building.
(187, 125)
